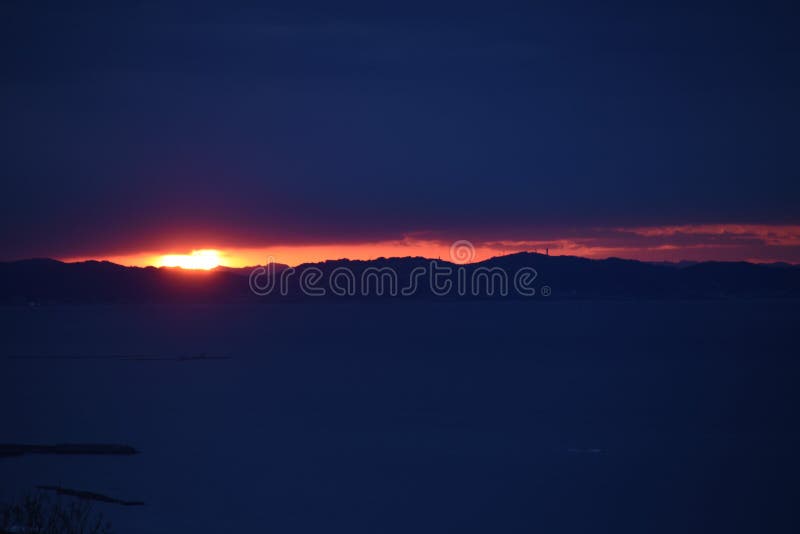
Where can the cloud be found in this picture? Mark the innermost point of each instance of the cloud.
(723, 242)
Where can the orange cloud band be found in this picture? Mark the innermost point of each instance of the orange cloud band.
(723, 242)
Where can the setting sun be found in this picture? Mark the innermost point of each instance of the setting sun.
(198, 259)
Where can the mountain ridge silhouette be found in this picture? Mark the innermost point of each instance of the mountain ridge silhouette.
(44, 280)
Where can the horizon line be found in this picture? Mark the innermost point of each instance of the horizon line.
(407, 257)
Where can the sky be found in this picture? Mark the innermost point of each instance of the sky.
(314, 130)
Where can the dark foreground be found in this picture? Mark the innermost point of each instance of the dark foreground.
(424, 417)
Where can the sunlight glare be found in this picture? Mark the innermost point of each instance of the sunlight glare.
(199, 259)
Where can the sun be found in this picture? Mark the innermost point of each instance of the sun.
(199, 259)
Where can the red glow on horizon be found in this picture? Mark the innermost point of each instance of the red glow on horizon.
(722, 242)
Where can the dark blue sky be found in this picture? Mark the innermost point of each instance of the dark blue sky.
(158, 123)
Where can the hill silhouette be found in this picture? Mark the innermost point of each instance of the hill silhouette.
(43, 281)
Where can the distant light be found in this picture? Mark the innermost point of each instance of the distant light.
(199, 259)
